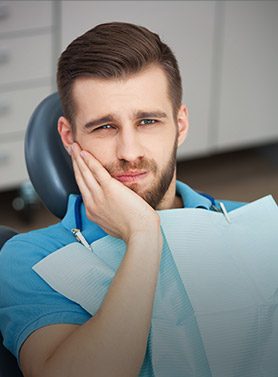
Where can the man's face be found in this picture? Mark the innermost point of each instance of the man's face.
(129, 126)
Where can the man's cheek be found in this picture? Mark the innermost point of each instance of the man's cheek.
(100, 153)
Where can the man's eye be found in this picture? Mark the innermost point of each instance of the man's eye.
(146, 122)
(103, 127)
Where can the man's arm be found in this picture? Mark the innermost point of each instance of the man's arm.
(113, 342)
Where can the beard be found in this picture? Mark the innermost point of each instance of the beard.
(154, 194)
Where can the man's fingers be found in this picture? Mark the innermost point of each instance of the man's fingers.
(84, 170)
(99, 172)
(84, 189)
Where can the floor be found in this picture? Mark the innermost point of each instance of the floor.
(244, 175)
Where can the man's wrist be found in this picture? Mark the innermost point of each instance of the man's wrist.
(149, 235)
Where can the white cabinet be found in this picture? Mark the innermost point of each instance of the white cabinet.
(25, 58)
(16, 107)
(22, 15)
(12, 162)
(26, 66)
(248, 78)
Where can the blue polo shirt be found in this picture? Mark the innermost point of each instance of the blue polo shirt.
(27, 302)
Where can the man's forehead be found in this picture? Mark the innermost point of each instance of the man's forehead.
(145, 92)
(152, 78)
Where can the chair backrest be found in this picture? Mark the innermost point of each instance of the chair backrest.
(48, 164)
(5, 234)
(51, 174)
(8, 363)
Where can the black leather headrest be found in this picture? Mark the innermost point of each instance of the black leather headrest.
(5, 234)
(48, 164)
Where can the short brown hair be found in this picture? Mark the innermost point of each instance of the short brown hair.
(115, 50)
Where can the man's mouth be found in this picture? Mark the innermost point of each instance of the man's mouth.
(131, 176)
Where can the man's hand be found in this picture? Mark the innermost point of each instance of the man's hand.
(114, 341)
(116, 208)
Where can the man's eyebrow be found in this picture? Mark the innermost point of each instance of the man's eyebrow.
(96, 122)
(150, 114)
(111, 118)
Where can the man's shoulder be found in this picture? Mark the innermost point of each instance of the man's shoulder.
(38, 235)
(27, 302)
(195, 199)
(35, 244)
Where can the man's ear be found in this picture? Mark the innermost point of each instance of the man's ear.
(66, 132)
(183, 124)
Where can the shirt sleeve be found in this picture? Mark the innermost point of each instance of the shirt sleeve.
(27, 302)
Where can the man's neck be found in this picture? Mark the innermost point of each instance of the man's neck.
(171, 200)
(178, 203)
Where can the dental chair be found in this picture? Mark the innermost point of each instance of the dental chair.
(50, 171)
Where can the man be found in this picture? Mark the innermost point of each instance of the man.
(123, 120)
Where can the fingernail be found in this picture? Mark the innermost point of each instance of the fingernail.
(74, 148)
(83, 154)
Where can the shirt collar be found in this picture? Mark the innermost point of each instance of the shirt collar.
(69, 221)
(190, 198)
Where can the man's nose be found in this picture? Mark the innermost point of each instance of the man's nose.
(129, 147)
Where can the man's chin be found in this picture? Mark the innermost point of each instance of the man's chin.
(146, 194)
(134, 187)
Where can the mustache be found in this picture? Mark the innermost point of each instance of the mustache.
(123, 166)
